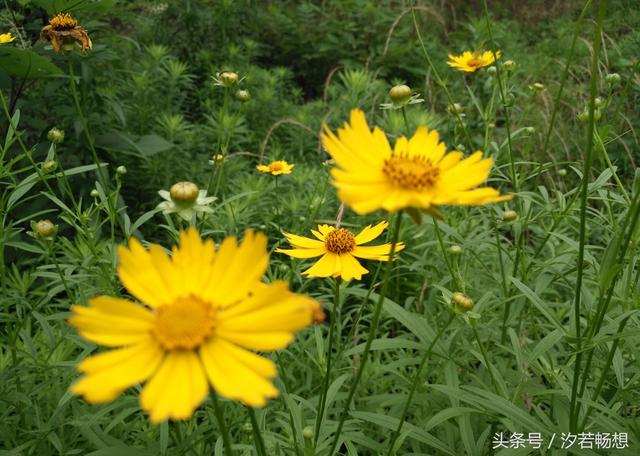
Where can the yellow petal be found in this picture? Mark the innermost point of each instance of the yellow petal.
(303, 242)
(376, 252)
(112, 321)
(351, 268)
(324, 267)
(369, 233)
(238, 374)
(109, 373)
(302, 253)
(177, 389)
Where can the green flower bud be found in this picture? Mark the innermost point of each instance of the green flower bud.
(509, 216)
(184, 192)
(94, 193)
(400, 94)
(243, 96)
(455, 108)
(492, 70)
(121, 170)
(49, 166)
(509, 65)
(613, 79)
(55, 135)
(597, 102)
(307, 432)
(529, 130)
(455, 250)
(462, 302)
(562, 172)
(44, 229)
(228, 78)
(538, 87)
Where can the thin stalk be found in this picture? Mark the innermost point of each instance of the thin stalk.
(503, 98)
(439, 80)
(563, 79)
(257, 434)
(322, 400)
(372, 333)
(575, 405)
(414, 384)
(226, 440)
(484, 356)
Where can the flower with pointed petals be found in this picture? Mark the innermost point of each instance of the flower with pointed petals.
(203, 313)
(417, 173)
(276, 168)
(63, 30)
(339, 249)
(470, 62)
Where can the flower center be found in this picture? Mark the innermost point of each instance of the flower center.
(184, 324)
(63, 21)
(276, 166)
(411, 173)
(475, 62)
(339, 241)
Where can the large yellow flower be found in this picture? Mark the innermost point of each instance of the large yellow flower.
(470, 62)
(276, 168)
(204, 310)
(339, 249)
(416, 173)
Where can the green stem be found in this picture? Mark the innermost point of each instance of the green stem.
(226, 440)
(472, 323)
(414, 385)
(575, 406)
(322, 401)
(372, 333)
(257, 434)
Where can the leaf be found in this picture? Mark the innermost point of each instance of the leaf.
(539, 303)
(25, 63)
(55, 6)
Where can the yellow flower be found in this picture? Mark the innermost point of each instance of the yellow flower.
(64, 29)
(204, 310)
(276, 168)
(339, 249)
(417, 173)
(6, 38)
(470, 62)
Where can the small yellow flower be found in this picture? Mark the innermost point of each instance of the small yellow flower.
(6, 38)
(339, 249)
(417, 173)
(470, 62)
(64, 29)
(203, 313)
(276, 168)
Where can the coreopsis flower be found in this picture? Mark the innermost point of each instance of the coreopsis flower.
(276, 168)
(63, 29)
(185, 199)
(6, 38)
(338, 249)
(470, 62)
(417, 173)
(202, 313)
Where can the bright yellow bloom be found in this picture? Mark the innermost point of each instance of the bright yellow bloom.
(417, 173)
(204, 310)
(6, 38)
(339, 249)
(470, 62)
(276, 168)
(64, 29)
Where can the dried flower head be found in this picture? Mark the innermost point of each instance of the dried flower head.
(64, 30)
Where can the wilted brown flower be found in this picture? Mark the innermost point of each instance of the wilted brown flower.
(64, 29)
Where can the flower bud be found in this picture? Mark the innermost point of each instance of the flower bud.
(492, 70)
(94, 193)
(184, 192)
(49, 166)
(55, 135)
(462, 302)
(509, 216)
(509, 65)
(583, 116)
(537, 86)
(243, 96)
(597, 102)
(455, 250)
(455, 108)
(121, 170)
(307, 432)
(44, 229)
(529, 130)
(228, 78)
(400, 94)
(613, 79)
(562, 172)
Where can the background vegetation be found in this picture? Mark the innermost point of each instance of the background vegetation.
(150, 104)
